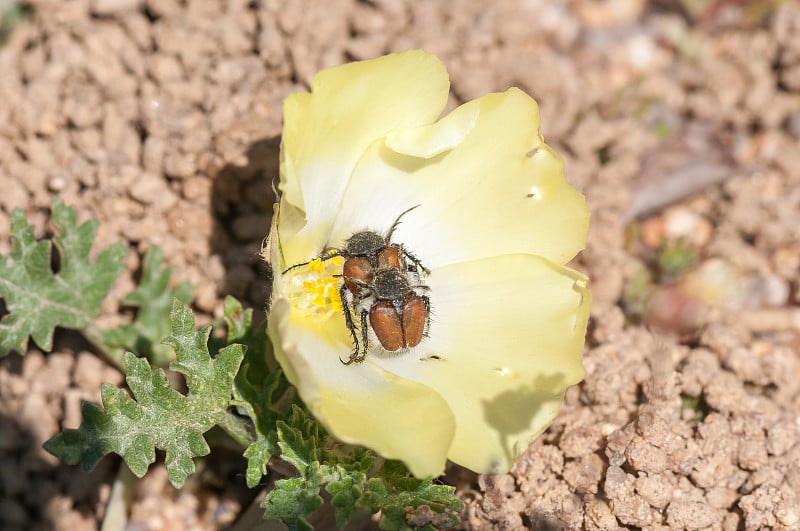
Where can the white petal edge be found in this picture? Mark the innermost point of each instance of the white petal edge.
(509, 334)
(361, 404)
(430, 140)
(327, 131)
(499, 191)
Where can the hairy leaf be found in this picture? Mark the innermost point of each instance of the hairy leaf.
(345, 492)
(398, 495)
(153, 300)
(291, 501)
(157, 416)
(301, 441)
(349, 475)
(258, 391)
(39, 299)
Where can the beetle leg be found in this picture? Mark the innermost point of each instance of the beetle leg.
(351, 326)
(414, 260)
(296, 266)
(364, 336)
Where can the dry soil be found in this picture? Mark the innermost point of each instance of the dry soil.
(161, 118)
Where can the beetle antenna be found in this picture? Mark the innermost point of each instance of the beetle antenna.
(397, 222)
(324, 256)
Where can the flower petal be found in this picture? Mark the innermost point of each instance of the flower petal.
(499, 190)
(361, 404)
(430, 140)
(506, 340)
(327, 131)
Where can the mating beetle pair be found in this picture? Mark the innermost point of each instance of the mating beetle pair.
(382, 279)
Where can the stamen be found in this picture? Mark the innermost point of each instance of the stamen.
(314, 289)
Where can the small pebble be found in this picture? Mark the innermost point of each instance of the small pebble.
(56, 184)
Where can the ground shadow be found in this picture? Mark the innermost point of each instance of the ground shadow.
(511, 412)
(37, 492)
(242, 198)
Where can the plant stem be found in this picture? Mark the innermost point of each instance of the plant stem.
(115, 357)
(237, 428)
(116, 517)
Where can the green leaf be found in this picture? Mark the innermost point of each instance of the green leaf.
(674, 259)
(153, 300)
(345, 493)
(258, 455)
(300, 441)
(291, 501)
(349, 475)
(397, 495)
(241, 330)
(11, 15)
(259, 392)
(38, 299)
(157, 416)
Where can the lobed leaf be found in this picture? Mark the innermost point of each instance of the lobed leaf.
(258, 391)
(397, 495)
(348, 474)
(345, 492)
(291, 501)
(153, 299)
(157, 416)
(301, 441)
(39, 299)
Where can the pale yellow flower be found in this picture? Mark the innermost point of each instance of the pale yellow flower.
(496, 223)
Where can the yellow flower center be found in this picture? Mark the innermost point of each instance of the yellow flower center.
(313, 289)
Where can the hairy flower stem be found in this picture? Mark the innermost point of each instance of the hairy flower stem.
(237, 429)
(114, 356)
(117, 508)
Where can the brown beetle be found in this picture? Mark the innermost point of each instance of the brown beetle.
(360, 268)
(396, 312)
(378, 270)
(375, 249)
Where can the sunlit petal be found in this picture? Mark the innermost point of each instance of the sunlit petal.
(327, 131)
(506, 340)
(361, 404)
(501, 190)
(493, 219)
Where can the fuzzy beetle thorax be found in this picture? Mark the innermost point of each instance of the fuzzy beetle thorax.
(390, 283)
(366, 243)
